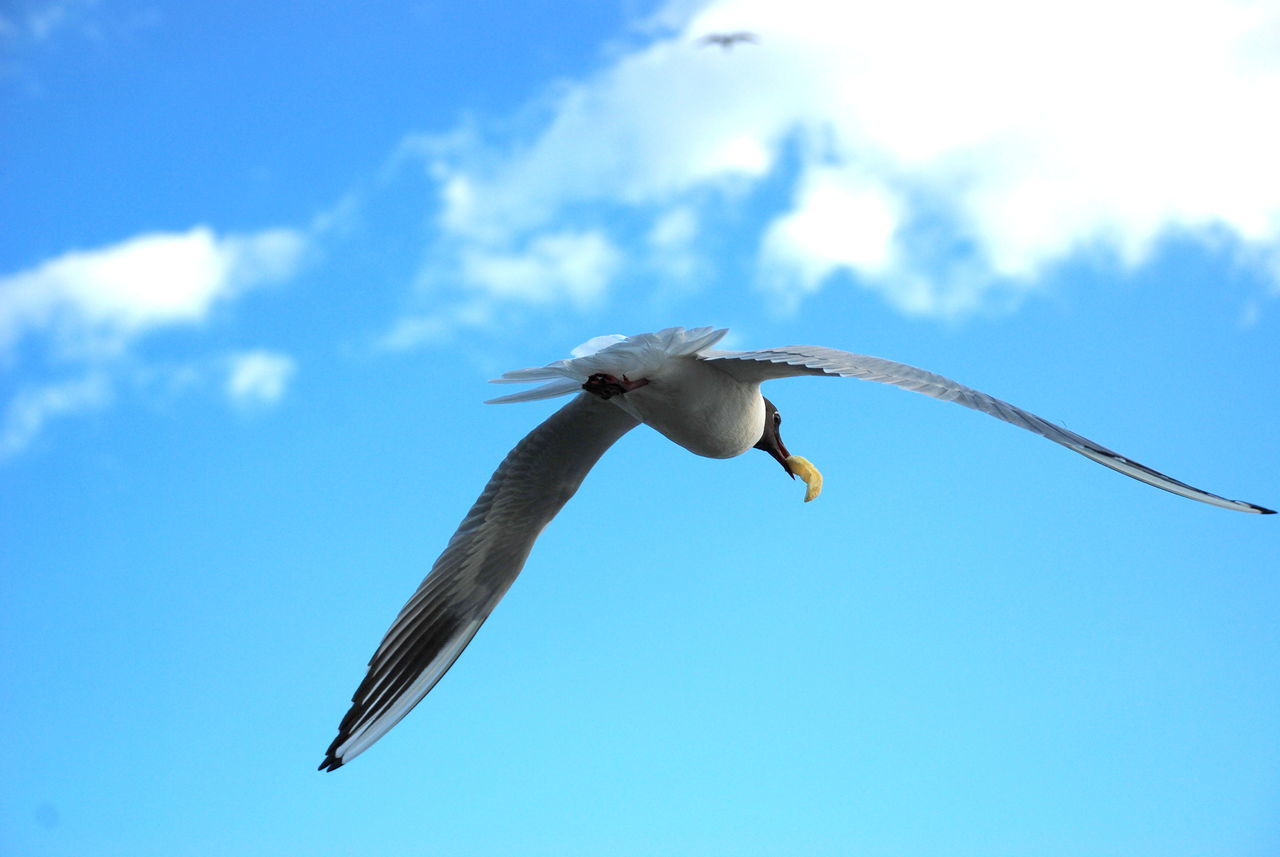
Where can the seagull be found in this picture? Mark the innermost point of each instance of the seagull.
(707, 401)
(728, 40)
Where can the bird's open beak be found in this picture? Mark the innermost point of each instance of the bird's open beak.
(772, 443)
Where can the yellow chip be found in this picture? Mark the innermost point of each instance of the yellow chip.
(806, 471)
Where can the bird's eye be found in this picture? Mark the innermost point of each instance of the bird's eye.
(777, 419)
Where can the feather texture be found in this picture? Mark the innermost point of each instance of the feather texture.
(619, 356)
(477, 567)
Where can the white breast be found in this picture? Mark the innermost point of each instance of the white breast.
(699, 407)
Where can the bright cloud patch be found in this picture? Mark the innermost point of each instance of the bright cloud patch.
(1012, 135)
(101, 299)
(838, 221)
(259, 377)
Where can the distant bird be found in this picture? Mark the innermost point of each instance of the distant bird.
(728, 40)
(705, 400)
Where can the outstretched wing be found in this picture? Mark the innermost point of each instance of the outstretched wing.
(477, 567)
(795, 360)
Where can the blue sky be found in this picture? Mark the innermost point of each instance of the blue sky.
(258, 264)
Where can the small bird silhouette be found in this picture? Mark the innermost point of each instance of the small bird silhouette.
(728, 40)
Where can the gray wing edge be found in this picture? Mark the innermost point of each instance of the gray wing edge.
(477, 567)
(816, 360)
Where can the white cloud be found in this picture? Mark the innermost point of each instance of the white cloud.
(475, 282)
(839, 220)
(562, 266)
(258, 377)
(98, 301)
(28, 411)
(83, 312)
(1011, 134)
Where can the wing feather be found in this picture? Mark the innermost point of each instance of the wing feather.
(793, 360)
(477, 567)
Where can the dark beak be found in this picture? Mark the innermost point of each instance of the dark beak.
(771, 440)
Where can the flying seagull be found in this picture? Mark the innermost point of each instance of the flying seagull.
(727, 40)
(707, 401)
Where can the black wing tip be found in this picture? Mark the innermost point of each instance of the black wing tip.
(332, 761)
(1263, 511)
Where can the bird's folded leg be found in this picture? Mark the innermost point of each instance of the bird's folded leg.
(607, 386)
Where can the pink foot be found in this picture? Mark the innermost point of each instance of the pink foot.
(607, 386)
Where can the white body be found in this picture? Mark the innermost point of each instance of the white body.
(700, 407)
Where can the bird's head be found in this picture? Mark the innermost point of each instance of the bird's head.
(771, 442)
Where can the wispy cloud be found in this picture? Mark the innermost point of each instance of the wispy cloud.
(31, 30)
(33, 407)
(550, 270)
(35, 23)
(258, 377)
(942, 155)
(562, 266)
(671, 241)
(43, 19)
(81, 313)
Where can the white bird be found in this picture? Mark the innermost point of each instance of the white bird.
(705, 400)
